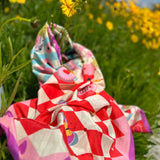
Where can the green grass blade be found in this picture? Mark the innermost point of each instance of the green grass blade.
(3, 74)
(18, 67)
(3, 101)
(13, 19)
(10, 48)
(3, 155)
(0, 61)
(14, 91)
(14, 57)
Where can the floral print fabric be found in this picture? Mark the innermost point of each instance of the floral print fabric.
(73, 117)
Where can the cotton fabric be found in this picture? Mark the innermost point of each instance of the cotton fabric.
(73, 118)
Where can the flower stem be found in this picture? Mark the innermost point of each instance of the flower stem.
(13, 19)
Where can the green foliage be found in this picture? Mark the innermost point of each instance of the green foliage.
(5, 71)
(129, 69)
(4, 152)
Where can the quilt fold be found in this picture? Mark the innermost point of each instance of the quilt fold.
(73, 118)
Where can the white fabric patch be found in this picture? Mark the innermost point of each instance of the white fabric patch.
(31, 113)
(20, 130)
(95, 157)
(87, 121)
(83, 145)
(106, 144)
(42, 96)
(97, 102)
(110, 128)
(45, 142)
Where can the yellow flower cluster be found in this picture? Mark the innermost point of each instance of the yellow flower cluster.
(101, 18)
(109, 25)
(18, 1)
(141, 20)
(159, 72)
(68, 7)
(134, 38)
(6, 10)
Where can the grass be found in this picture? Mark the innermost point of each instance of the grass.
(129, 69)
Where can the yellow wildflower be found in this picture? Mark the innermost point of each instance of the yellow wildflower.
(21, 1)
(18, 17)
(156, 34)
(129, 23)
(99, 20)
(134, 38)
(151, 30)
(117, 5)
(90, 16)
(158, 40)
(137, 27)
(68, 7)
(100, 6)
(144, 41)
(124, 5)
(148, 44)
(149, 35)
(62, 1)
(142, 19)
(155, 44)
(144, 30)
(124, 14)
(159, 71)
(6, 10)
(134, 9)
(107, 4)
(135, 19)
(109, 25)
(157, 5)
(12, 1)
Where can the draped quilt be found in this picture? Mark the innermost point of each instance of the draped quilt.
(73, 118)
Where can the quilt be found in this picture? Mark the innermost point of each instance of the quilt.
(72, 118)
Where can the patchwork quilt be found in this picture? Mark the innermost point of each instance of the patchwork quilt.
(73, 118)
